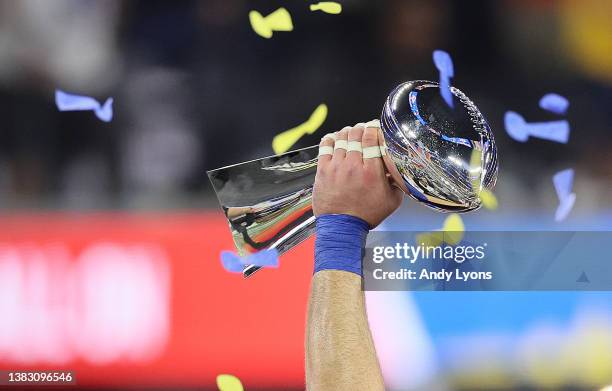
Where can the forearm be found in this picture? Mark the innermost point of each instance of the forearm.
(340, 353)
(351, 195)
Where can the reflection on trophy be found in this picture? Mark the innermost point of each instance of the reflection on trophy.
(441, 156)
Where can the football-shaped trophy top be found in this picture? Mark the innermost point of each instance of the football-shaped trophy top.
(440, 155)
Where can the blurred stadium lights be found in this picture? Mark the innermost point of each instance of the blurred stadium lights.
(109, 302)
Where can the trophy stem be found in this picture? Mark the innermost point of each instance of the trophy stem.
(294, 237)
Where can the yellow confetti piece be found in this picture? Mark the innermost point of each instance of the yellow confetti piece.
(488, 199)
(229, 383)
(279, 20)
(594, 364)
(430, 239)
(475, 168)
(486, 196)
(330, 7)
(476, 158)
(453, 229)
(284, 141)
(451, 233)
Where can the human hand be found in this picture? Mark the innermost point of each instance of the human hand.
(348, 183)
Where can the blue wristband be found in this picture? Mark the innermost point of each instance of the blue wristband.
(340, 242)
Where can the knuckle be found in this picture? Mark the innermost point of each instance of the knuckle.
(370, 136)
(331, 169)
(327, 140)
(320, 172)
(350, 170)
(343, 134)
(356, 133)
(342, 168)
(353, 170)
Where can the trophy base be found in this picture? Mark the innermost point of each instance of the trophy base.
(268, 202)
(296, 236)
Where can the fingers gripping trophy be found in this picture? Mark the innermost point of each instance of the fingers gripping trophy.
(442, 157)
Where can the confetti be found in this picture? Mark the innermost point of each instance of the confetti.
(268, 257)
(565, 207)
(563, 182)
(231, 262)
(519, 130)
(444, 63)
(279, 20)
(430, 239)
(229, 383)
(475, 168)
(330, 7)
(451, 233)
(555, 103)
(488, 199)
(453, 229)
(235, 264)
(71, 102)
(486, 196)
(285, 140)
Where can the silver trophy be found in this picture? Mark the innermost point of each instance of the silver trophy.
(441, 156)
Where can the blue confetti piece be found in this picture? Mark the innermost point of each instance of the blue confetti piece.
(231, 262)
(267, 258)
(515, 126)
(554, 103)
(564, 182)
(519, 130)
(444, 63)
(565, 207)
(235, 264)
(71, 102)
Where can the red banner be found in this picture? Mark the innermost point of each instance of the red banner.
(142, 299)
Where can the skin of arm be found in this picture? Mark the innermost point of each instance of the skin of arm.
(340, 353)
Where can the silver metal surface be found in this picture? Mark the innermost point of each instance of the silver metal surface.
(444, 156)
(441, 156)
(268, 202)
